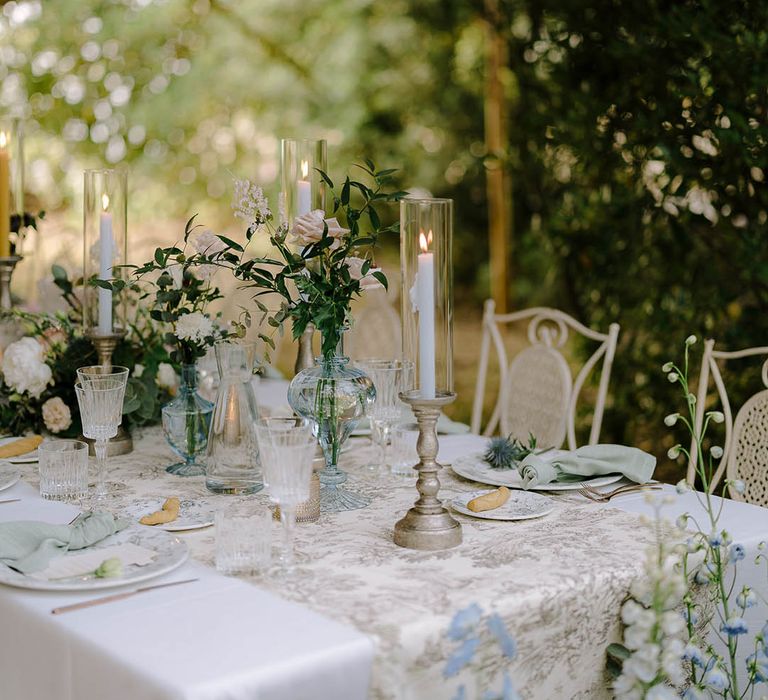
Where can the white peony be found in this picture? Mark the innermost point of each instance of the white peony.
(195, 326)
(166, 377)
(56, 415)
(24, 368)
(308, 229)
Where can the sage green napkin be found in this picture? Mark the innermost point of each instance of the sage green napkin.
(587, 462)
(29, 546)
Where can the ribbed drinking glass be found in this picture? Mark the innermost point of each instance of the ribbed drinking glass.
(286, 448)
(100, 392)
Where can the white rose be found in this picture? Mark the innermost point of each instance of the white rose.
(56, 415)
(308, 229)
(208, 243)
(166, 376)
(24, 368)
(368, 281)
(194, 326)
(176, 272)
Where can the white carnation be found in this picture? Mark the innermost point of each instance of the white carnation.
(195, 326)
(24, 369)
(166, 376)
(56, 415)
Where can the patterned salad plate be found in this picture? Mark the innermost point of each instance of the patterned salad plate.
(8, 477)
(475, 468)
(170, 553)
(26, 458)
(192, 514)
(522, 505)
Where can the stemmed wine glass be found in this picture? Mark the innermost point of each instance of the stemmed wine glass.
(390, 377)
(286, 449)
(100, 392)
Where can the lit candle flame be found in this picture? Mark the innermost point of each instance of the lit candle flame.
(3, 139)
(105, 202)
(304, 169)
(425, 241)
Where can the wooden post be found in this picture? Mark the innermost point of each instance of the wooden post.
(498, 187)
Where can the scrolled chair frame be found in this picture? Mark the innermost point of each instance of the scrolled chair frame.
(739, 431)
(547, 333)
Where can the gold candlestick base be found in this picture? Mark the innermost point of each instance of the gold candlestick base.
(105, 345)
(427, 525)
(7, 266)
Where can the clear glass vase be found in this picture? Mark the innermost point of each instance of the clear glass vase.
(334, 396)
(186, 419)
(232, 461)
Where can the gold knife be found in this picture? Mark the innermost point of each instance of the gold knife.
(116, 596)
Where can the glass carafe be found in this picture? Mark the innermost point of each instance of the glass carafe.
(232, 464)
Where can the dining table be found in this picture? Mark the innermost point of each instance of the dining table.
(360, 617)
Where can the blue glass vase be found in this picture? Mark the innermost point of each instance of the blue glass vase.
(186, 420)
(334, 397)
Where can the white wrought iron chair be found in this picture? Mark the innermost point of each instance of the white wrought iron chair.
(745, 449)
(376, 331)
(537, 392)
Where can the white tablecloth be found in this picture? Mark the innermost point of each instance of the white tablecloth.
(218, 638)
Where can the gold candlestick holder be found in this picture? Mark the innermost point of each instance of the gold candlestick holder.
(105, 345)
(427, 525)
(305, 357)
(7, 266)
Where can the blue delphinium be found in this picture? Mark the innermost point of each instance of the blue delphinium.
(734, 626)
(715, 679)
(466, 628)
(499, 630)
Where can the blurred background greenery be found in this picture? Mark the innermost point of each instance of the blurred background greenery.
(633, 143)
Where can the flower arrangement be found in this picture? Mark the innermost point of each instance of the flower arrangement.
(700, 576)
(320, 263)
(180, 289)
(37, 372)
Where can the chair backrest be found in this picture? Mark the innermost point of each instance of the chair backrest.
(376, 331)
(537, 393)
(745, 449)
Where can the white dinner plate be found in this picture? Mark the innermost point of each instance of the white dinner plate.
(8, 477)
(475, 468)
(192, 514)
(522, 505)
(26, 458)
(171, 553)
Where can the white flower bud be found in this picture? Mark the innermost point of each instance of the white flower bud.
(739, 486)
(716, 416)
(673, 452)
(690, 340)
(667, 367)
(671, 419)
(682, 487)
(673, 377)
(716, 452)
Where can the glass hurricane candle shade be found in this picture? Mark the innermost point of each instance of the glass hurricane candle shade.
(426, 235)
(302, 189)
(105, 246)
